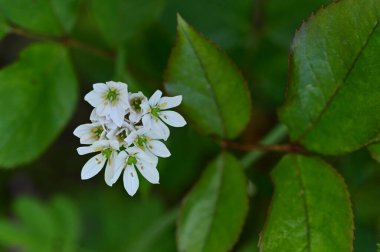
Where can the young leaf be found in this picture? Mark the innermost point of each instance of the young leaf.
(311, 209)
(119, 20)
(213, 213)
(47, 17)
(334, 79)
(215, 96)
(374, 150)
(37, 97)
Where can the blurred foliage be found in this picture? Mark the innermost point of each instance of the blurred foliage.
(130, 40)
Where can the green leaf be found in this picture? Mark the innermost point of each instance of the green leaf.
(66, 218)
(374, 150)
(311, 209)
(37, 97)
(3, 27)
(213, 213)
(118, 20)
(41, 227)
(334, 79)
(215, 96)
(41, 16)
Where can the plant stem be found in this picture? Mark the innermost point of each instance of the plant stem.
(274, 136)
(108, 55)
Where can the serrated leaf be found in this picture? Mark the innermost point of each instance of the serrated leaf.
(333, 99)
(374, 150)
(119, 20)
(311, 209)
(215, 97)
(38, 94)
(213, 213)
(41, 16)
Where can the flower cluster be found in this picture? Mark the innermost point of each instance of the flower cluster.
(125, 132)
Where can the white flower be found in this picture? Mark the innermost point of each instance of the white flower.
(146, 141)
(157, 114)
(135, 109)
(108, 152)
(110, 100)
(130, 159)
(89, 132)
(120, 133)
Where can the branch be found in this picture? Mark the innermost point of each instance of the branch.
(65, 41)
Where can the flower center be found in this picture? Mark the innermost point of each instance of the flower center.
(131, 160)
(107, 153)
(122, 135)
(141, 141)
(155, 111)
(112, 94)
(97, 132)
(136, 104)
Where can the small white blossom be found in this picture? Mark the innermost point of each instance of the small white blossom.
(110, 100)
(108, 152)
(147, 141)
(136, 110)
(157, 114)
(90, 133)
(125, 130)
(130, 159)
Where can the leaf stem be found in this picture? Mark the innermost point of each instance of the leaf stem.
(276, 135)
(70, 42)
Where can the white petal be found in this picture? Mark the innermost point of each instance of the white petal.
(117, 114)
(114, 144)
(94, 98)
(83, 129)
(85, 150)
(170, 102)
(155, 98)
(149, 172)
(119, 166)
(109, 174)
(130, 179)
(159, 129)
(100, 87)
(103, 109)
(93, 166)
(172, 118)
(131, 137)
(134, 117)
(158, 148)
(147, 121)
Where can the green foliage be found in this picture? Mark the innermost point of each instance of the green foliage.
(311, 209)
(331, 108)
(374, 149)
(41, 89)
(3, 27)
(334, 80)
(42, 227)
(118, 224)
(215, 97)
(119, 20)
(213, 213)
(47, 17)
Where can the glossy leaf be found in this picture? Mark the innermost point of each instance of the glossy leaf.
(37, 97)
(311, 209)
(374, 150)
(333, 98)
(213, 213)
(41, 16)
(215, 96)
(119, 20)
